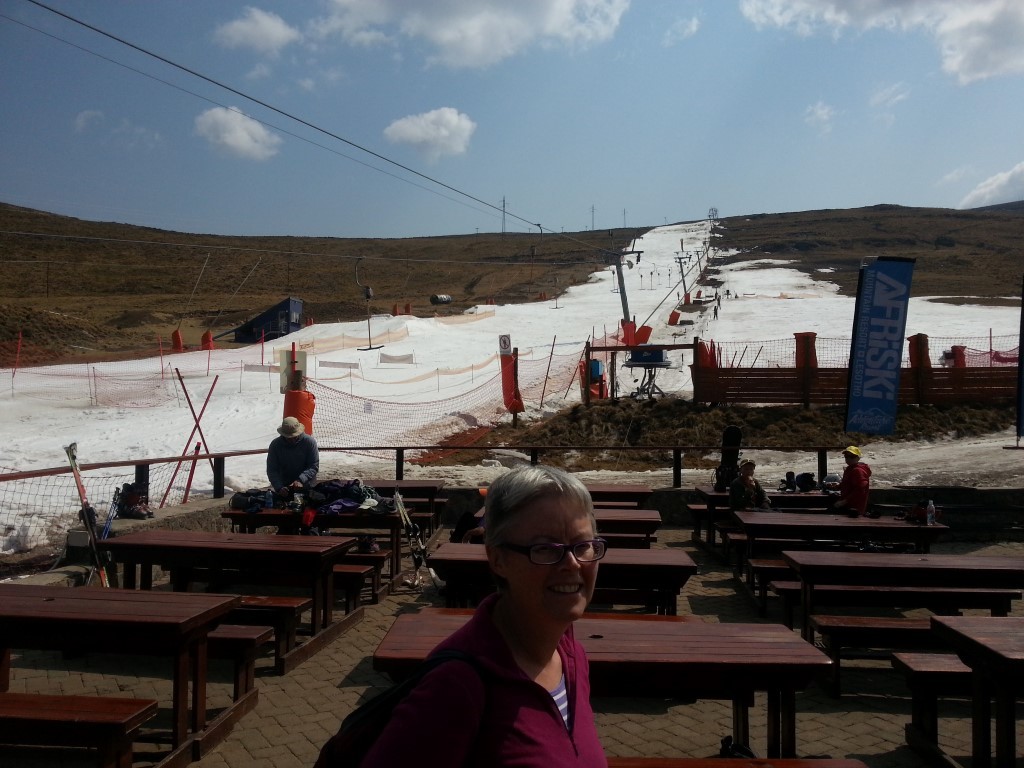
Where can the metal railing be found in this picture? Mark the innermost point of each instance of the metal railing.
(536, 453)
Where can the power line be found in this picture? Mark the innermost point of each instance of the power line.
(237, 111)
(272, 108)
(306, 123)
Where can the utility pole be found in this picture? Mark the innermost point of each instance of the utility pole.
(503, 217)
(591, 218)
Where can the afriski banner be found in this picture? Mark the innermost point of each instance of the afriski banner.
(1020, 370)
(879, 325)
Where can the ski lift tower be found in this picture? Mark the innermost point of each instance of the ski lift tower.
(616, 259)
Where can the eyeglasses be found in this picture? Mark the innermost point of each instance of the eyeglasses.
(552, 554)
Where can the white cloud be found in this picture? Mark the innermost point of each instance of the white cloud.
(307, 83)
(259, 72)
(258, 30)
(1005, 187)
(976, 39)
(890, 95)
(134, 136)
(473, 33)
(444, 131)
(86, 119)
(954, 176)
(680, 30)
(820, 116)
(237, 134)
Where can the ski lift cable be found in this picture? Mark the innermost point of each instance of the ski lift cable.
(244, 279)
(306, 123)
(667, 296)
(194, 289)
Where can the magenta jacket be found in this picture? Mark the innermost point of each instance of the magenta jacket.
(454, 718)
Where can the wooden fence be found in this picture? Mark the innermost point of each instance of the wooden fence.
(828, 386)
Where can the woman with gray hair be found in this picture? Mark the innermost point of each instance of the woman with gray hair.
(526, 699)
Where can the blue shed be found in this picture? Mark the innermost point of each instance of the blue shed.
(279, 320)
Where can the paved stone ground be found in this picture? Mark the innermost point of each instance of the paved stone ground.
(298, 712)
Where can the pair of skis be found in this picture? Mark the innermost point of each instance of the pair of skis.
(417, 549)
(87, 514)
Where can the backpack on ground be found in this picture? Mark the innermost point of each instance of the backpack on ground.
(724, 475)
(364, 724)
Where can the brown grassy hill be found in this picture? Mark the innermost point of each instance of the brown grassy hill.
(80, 289)
(977, 253)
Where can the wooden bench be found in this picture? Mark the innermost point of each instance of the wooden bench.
(239, 643)
(283, 613)
(629, 540)
(379, 586)
(733, 540)
(929, 676)
(732, 762)
(349, 578)
(761, 571)
(700, 515)
(616, 504)
(839, 632)
(937, 599)
(103, 723)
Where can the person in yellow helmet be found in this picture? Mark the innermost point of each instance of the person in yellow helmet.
(855, 485)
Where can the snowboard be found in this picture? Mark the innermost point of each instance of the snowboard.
(728, 470)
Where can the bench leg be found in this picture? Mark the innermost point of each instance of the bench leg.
(116, 754)
(244, 674)
(924, 712)
(832, 650)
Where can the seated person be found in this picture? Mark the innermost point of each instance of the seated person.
(293, 459)
(470, 527)
(853, 488)
(745, 492)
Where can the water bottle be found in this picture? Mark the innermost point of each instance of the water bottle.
(268, 500)
(930, 512)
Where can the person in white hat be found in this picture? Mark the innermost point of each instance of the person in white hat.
(856, 482)
(745, 492)
(293, 459)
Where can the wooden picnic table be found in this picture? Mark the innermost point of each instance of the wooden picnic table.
(993, 647)
(622, 492)
(900, 570)
(718, 509)
(680, 659)
(124, 622)
(760, 524)
(309, 558)
(650, 574)
(642, 521)
(286, 521)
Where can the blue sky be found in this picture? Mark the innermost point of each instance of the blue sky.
(574, 112)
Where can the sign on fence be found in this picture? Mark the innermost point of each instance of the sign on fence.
(1020, 370)
(879, 324)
